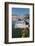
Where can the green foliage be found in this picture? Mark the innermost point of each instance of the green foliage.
(18, 33)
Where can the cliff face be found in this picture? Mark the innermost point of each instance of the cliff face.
(17, 17)
(14, 17)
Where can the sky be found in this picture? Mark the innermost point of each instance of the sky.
(20, 11)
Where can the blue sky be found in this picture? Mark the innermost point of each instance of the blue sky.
(20, 11)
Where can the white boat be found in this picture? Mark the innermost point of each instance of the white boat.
(21, 24)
